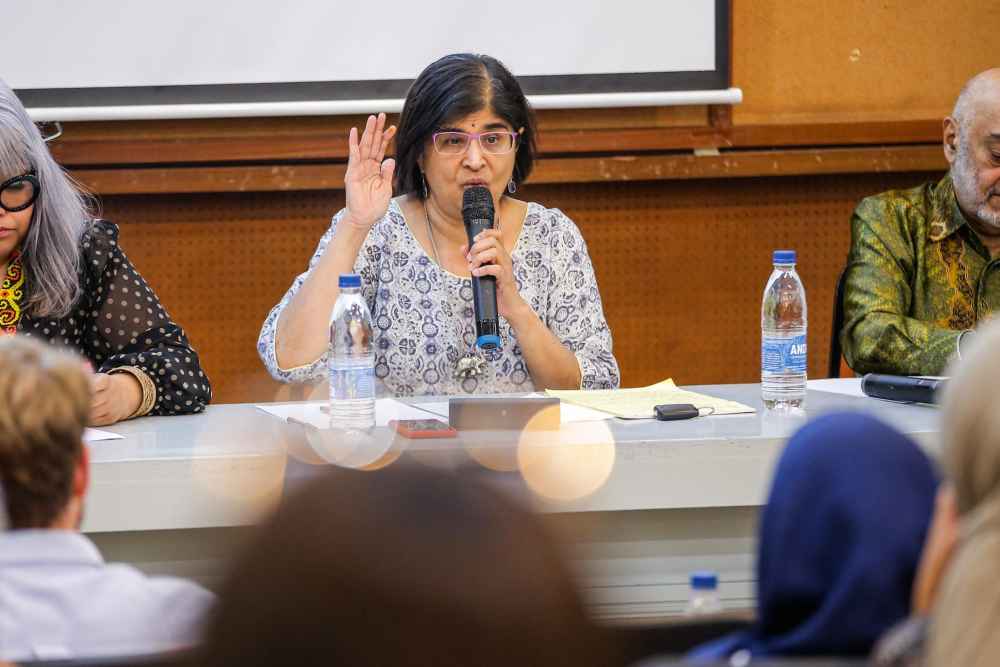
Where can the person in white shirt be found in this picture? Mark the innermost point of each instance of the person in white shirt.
(58, 599)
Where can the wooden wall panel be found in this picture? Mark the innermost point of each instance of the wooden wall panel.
(803, 61)
(841, 100)
(669, 166)
(218, 263)
(681, 265)
(317, 138)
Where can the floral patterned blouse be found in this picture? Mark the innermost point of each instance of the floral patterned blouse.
(423, 315)
(118, 321)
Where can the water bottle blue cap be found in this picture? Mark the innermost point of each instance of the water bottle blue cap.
(350, 280)
(784, 257)
(488, 341)
(704, 580)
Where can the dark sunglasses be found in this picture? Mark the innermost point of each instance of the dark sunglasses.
(20, 192)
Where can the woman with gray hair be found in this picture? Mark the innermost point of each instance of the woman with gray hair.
(965, 625)
(66, 280)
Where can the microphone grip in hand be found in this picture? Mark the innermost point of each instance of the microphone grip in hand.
(484, 295)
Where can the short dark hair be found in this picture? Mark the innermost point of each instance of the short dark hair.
(408, 565)
(453, 87)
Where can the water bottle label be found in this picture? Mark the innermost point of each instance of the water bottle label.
(353, 383)
(783, 355)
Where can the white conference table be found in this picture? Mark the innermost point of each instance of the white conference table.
(642, 503)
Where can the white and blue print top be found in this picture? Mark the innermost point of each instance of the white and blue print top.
(423, 315)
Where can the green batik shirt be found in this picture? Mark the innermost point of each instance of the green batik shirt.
(917, 277)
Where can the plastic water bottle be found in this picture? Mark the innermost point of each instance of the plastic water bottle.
(352, 359)
(703, 594)
(783, 336)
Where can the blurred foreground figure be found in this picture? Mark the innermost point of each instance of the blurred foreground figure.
(840, 540)
(965, 625)
(405, 566)
(58, 599)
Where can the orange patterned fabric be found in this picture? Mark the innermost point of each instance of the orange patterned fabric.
(11, 291)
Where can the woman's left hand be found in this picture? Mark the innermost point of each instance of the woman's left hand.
(488, 257)
(115, 398)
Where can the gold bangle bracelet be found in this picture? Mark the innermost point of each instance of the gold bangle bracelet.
(148, 389)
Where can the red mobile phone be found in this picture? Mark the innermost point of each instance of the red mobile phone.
(423, 428)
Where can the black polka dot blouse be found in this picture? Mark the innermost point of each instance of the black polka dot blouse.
(118, 321)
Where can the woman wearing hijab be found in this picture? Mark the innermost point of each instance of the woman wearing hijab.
(964, 626)
(840, 539)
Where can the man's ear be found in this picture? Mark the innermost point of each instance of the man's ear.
(950, 139)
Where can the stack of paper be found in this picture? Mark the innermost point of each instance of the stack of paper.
(313, 413)
(638, 403)
(93, 435)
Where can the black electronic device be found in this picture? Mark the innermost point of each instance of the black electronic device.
(674, 411)
(504, 414)
(478, 215)
(905, 388)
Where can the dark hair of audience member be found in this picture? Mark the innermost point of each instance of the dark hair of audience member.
(404, 566)
(449, 89)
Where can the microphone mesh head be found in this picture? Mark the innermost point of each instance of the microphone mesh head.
(478, 202)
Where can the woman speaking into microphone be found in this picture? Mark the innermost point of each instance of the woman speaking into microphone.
(465, 124)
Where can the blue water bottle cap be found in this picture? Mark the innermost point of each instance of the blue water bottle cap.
(784, 257)
(704, 580)
(488, 341)
(350, 280)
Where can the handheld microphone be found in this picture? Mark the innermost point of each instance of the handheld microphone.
(901, 387)
(477, 215)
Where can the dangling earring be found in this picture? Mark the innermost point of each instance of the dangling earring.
(511, 186)
(423, 185)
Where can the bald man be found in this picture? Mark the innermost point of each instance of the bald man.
(924, 267)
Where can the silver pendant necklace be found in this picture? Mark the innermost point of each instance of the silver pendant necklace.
(471, 364)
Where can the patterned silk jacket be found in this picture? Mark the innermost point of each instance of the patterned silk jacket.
(917, 277)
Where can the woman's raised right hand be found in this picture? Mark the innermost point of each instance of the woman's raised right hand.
(368, 182)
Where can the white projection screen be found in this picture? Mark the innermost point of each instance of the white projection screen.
(93, 59)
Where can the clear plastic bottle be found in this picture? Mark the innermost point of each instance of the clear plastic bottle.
(352, 359)
(703, 595)
(783, 336)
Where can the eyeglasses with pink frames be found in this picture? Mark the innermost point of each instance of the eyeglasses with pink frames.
(493, 142)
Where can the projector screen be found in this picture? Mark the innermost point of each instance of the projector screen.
(322, 54)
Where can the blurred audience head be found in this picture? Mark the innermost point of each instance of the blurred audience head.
(840, 539)
(45, 393)
(965, 630)
(3, 510)
(404, 566)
